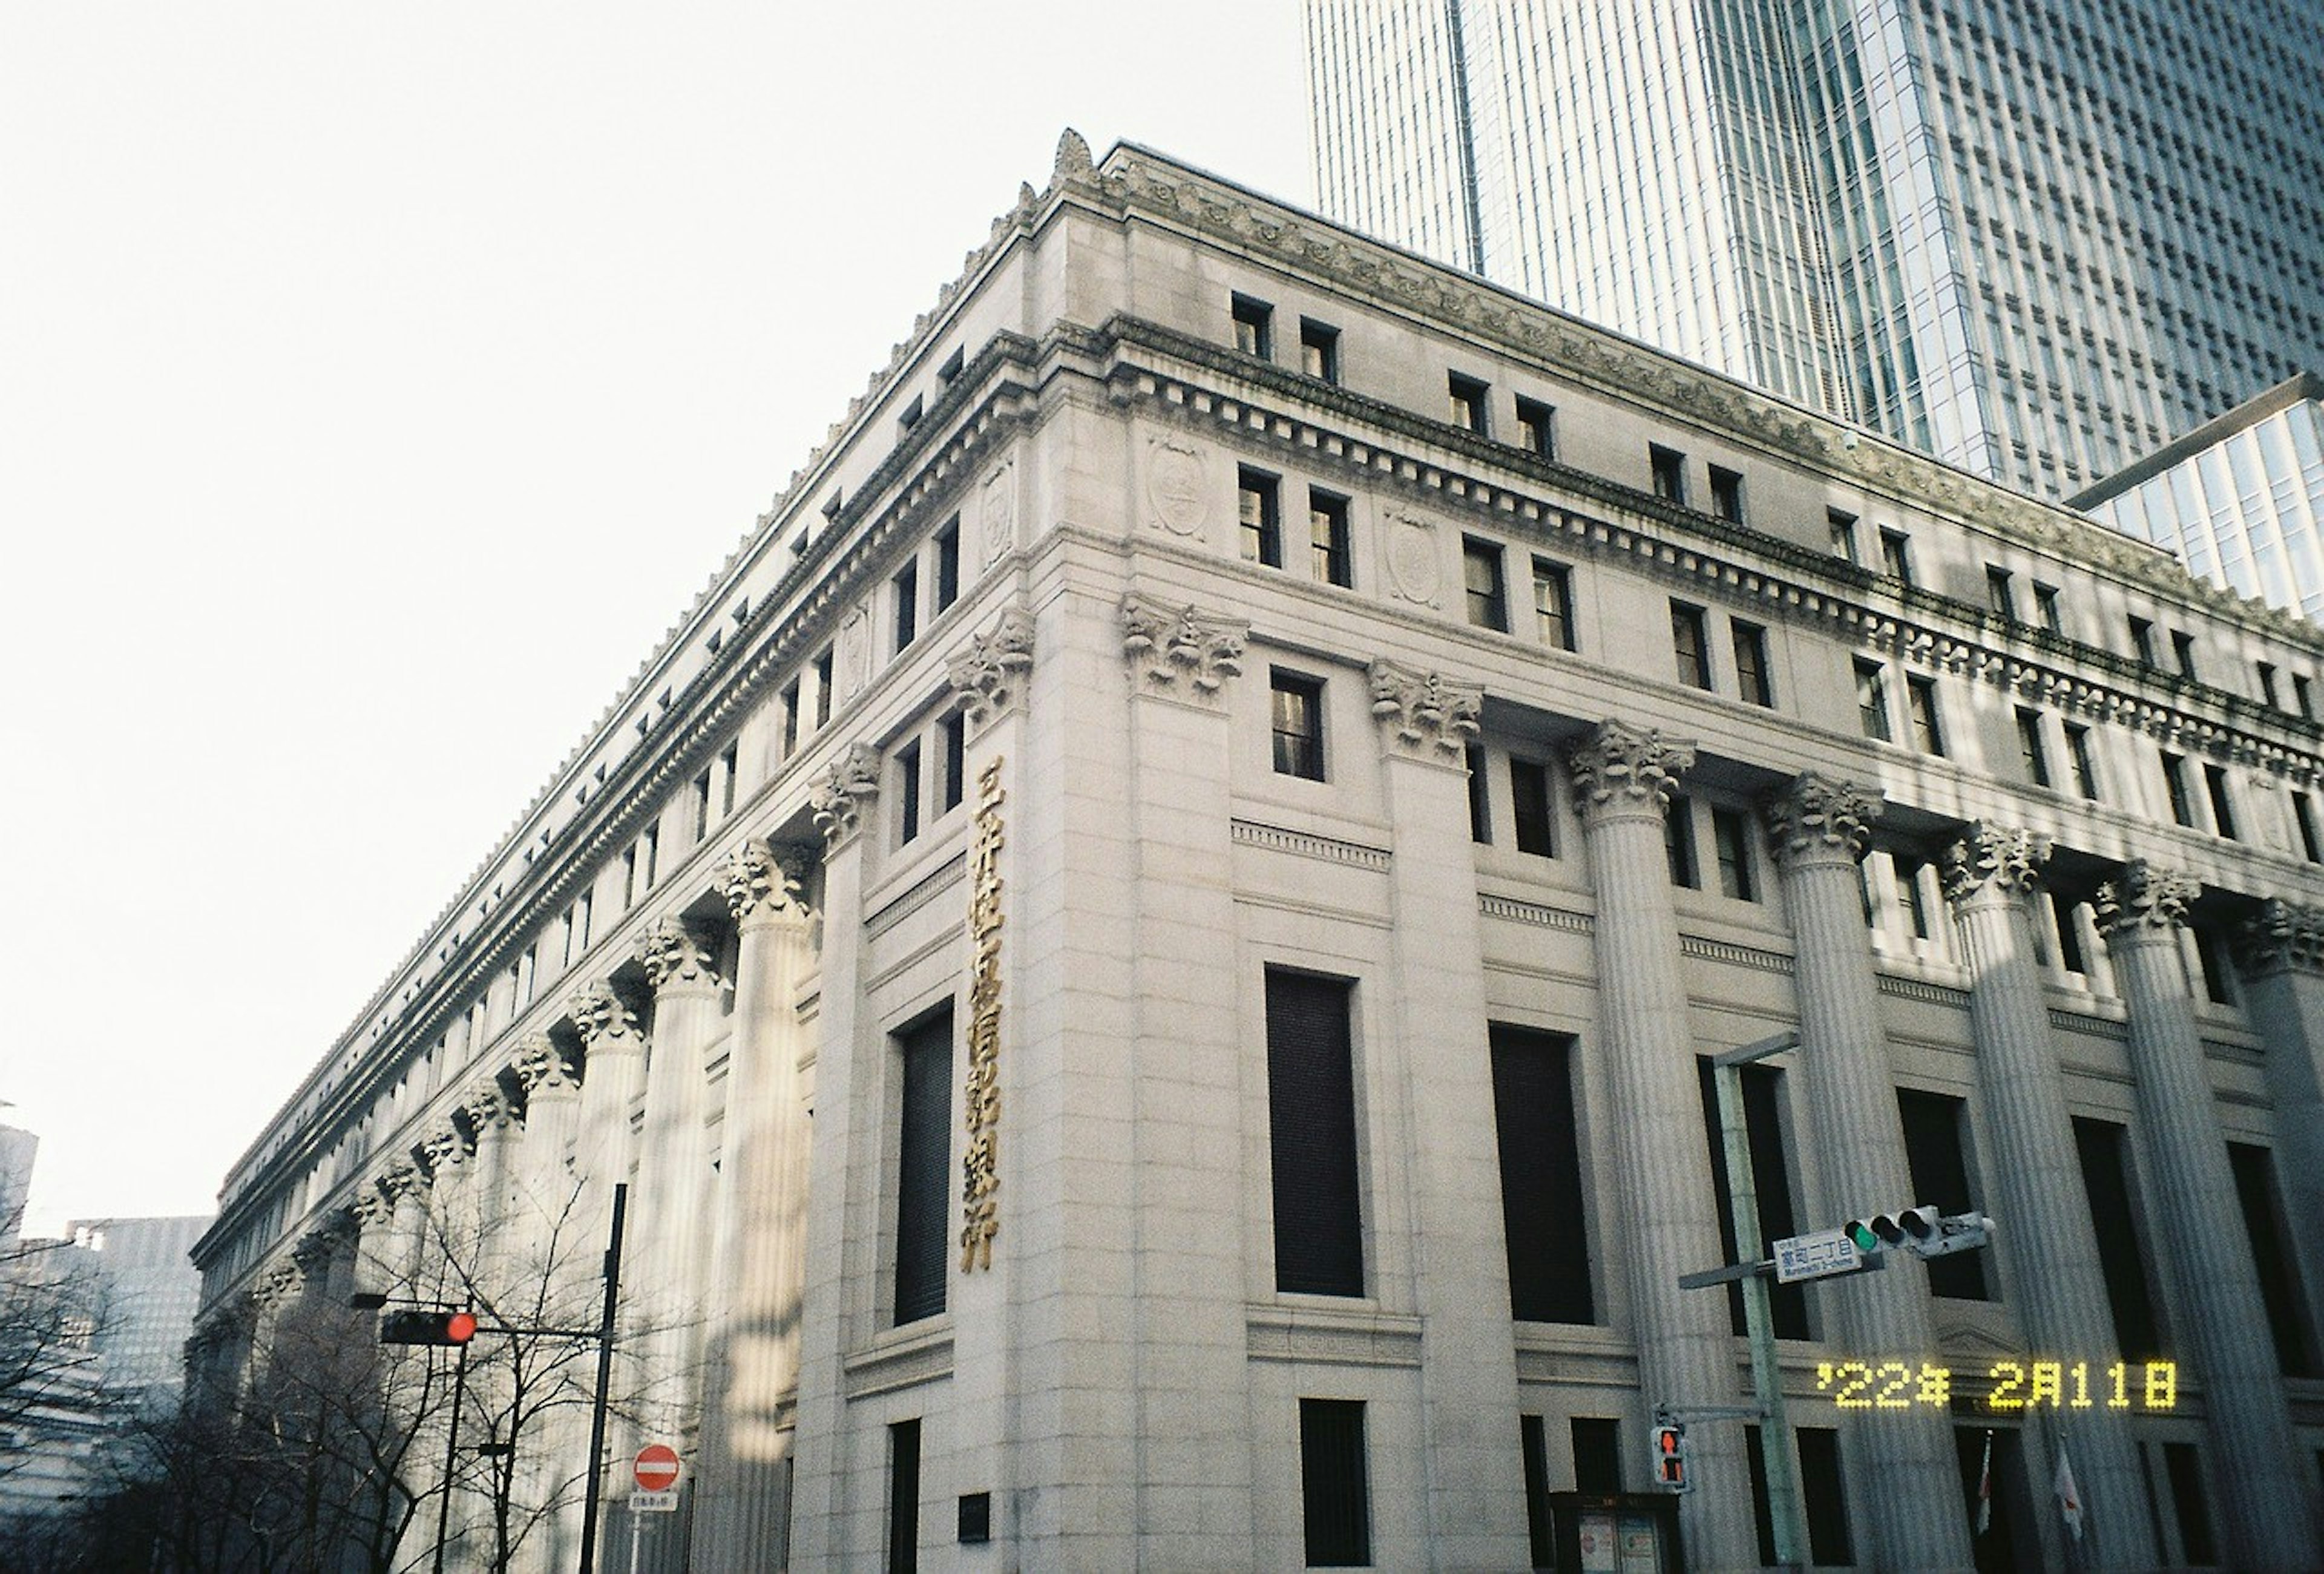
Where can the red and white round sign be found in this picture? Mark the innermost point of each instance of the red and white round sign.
(657, 1467)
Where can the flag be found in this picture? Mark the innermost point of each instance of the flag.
(2069, 1496)
(1985, 1487)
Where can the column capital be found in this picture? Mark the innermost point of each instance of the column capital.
(1425, 714)
(2282, 934)
(443, 1149)
(398, 1181)
(486, 1108)
(1819, 817)
(601, 1017)
(2006, 859)
(315, 1250)
(539, 1066)
(2144, 897)
(987, 677)
(1178, 651)
(764, 881)
(847, 789)
(673, 959)
(373, 1206)
(278, 1284)
(1620, 768)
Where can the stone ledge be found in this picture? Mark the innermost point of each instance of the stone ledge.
(1334, 1336)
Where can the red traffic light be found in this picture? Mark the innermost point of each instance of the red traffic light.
(424, 1327)
(460, 1327)
(1670, 1456)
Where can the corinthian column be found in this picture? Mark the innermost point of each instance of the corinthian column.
(555, 1262)
(1821, 829)
(406, 1192)
(743, 1515)
(1664, 1200)
(485, 1252)
(2207, 1261)
(2280, 955)
(2046, 1244)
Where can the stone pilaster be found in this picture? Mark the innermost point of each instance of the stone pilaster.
(1819, 830)
(743, 1516)
(2258, 1479)
(2280, 953)
(2047, 1247)
(1663, 1194)
(1437, 1068)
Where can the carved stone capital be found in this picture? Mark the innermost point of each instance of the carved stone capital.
(373, 1208)
(540, 1067)
(399, 1181)
(846, 791)
(1425, 713)
(2144, 897)
(1623, 766)
(989, 675)
(1179, 651)
(601, 1017)
(486, 1110)
(2005, 858)
(315, 1250)
(2283, 934)
(443, 1150)
(674, 958)
(1820, 815)
(279, 1285)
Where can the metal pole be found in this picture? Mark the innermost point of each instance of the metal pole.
(1758, 1318)
(605, 1380)
(451, 1452)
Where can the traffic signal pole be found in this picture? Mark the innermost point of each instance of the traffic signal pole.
(594, 1492)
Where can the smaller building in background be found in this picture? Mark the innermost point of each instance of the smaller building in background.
(2239, 499)
(150, 1290)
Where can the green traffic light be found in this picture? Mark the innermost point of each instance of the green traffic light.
(1861, 1234)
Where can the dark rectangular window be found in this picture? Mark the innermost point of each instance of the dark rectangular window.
(1260, 504)
(1731, 837)
(1319, 349)
(1691, 645)
(728, 764)
(1327, 536)
(1335, 1497)
(904, 1496)
(1542, 1202)
(1763, 1129)
(1751, 679)
(1678, 842)
(2182, 651)
(1909, 876)
(1536, 427)
(790, 718)
(2271, 1241)
(1872, 702)
(1311, 1117)
(974, 1518)
(953, 730)
(1480, 574)
(1896, 555)
(1763, 1515)
(1481, 817)
(1843, 535)
(924, 1167)
(906, 588)
(1936, 1156)
(2174, 784)
(2184, 1467)
(947, 564)
(1727, 494)
(1668, 467)
(2098, 1145)
(1467, 401)
(2077, 754)
(629, 874)
(650, 857)
(1254, 327)
(2031, 749)
(1597, 1454)
(2211, 956)
(1920, 704)
(1998, 596)
(949, 373)
(1529, 801)
(2142, 639)
(1823, 1498)
(701, 805)
(911, 416)
(823, 688)
(2045, 607)
(2069, 938)
(2267, 690)
(908, 795)
(2223, 814)
(1540, 1527)
(1553, 603)
(1298, 725)
(2303, 696)
(2303, 815)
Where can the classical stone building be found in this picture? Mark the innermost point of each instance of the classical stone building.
(1149, 948)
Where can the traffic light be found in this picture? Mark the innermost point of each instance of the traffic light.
(1913, 1229)
(425, 1327)
(1669, 1448)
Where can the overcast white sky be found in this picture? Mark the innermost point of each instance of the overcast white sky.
(377, 384)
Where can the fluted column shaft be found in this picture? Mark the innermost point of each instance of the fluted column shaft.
(613, 1075)
(1662, 1191)
(1905, 1464)
(2046, 1242)
(2281, 954)
(2190, 1192)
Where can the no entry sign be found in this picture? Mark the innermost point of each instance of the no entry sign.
(657, 1467)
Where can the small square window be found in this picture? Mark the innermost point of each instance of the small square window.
(2078, 755)
(2223, 817)
(1298, 725)
(1751, 676)
(1480, 572)
(2182, 651)
(1260, 506)
(1668, 467)
(1921, 703)
(1843, 535)
(1897, 556)
(2142, 639)
(1327, 534)
(1727, 494)
(1553, 603)
(1691, 644)
(1318, 350)
(1254, 327)
(2303, 698)
(1536, 427)
(2267, 691)
(911, 416)
(949, 373)
(1467, 400)
(2174, 785)
(2045, 607)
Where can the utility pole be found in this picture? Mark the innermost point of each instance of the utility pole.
(604, 1381)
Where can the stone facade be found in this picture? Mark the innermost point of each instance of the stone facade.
(932, 938)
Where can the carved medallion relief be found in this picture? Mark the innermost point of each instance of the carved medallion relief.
(1409, 547)
(1175, 488)
(998, 512)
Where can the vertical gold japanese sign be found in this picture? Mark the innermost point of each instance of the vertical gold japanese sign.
(981, 1170)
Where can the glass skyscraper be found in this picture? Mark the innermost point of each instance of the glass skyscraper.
(2038, 240)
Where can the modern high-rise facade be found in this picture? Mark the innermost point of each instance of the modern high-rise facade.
(2037, 240)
